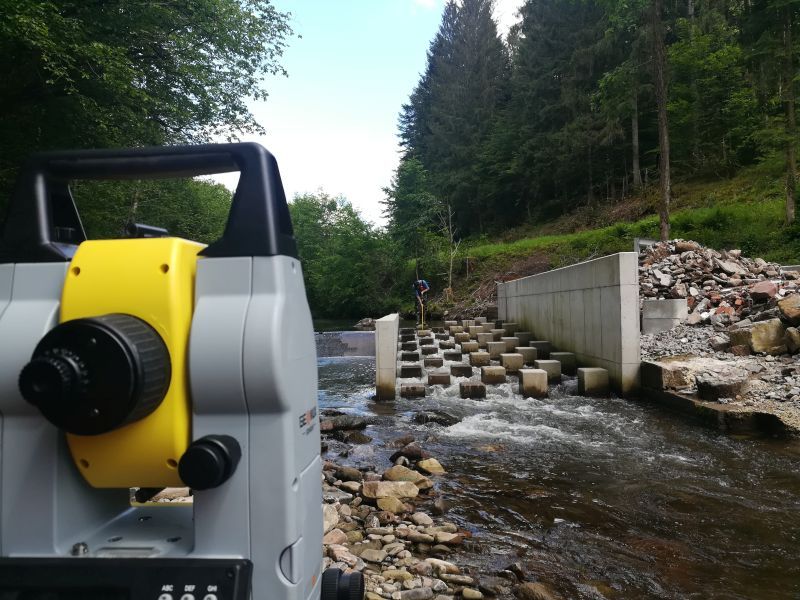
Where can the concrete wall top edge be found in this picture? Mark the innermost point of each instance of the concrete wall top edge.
(389, 317)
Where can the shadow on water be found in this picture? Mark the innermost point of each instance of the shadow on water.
(599, 497)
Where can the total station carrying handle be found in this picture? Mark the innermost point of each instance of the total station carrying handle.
(43, 224)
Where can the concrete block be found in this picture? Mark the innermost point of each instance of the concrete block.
(524, 337)
(409, 346)
(404, 330)
(479, 359)
(553, 368)
(497, 334)
(472, 389)
(439, 378)
(427, 350)
(421, 333)
(461, 370)
(410, 371)
(386, 332)
(467, 347)
(447, 345)
(442, 336)
(467, 323)
(454, 329)
(665, 309)
(480, 320)
(510, 328)
(498, 323)
(484, 338)
(409, 356)
(452, 355)
(426, 341)
(512, 362)
(450, 323)
(567, 360)
(493, 374)
(461, 337)
(511, 343)
(495, 349)
(533, 383)
(592, 381)
(408, 337)
(487, 327)
(433, 361)
(474, 330)
(528, 354)
(542, 348)
(412, 390)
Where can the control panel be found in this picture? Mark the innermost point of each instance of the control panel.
(124, 579)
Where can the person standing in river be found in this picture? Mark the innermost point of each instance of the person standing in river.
(421, 287)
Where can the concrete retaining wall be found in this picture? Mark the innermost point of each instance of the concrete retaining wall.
(662, 315)
(591, 309)
(386, 332)
(345, 343)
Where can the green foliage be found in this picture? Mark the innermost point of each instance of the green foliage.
(112, 73)
(188, 208)
(349, 267)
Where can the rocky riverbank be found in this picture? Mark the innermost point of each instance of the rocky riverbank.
(391, 525)
(740, 344)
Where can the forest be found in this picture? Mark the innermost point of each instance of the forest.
(583, 107)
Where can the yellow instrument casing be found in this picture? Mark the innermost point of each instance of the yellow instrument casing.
(152, 279)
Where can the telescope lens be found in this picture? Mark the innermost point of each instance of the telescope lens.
(91, 376)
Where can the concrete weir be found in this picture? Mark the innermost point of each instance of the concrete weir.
(590, 309)
(441, 359)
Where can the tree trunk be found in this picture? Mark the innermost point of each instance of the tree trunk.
(788, 86)
(637, 172)
(659, 75)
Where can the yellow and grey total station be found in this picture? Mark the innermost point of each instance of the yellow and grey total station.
(152, 362)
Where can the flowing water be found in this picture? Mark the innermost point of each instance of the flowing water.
(599, 498)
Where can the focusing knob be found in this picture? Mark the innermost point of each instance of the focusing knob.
(209, 462)
(56, 374)
(336, 585)
(91, 376)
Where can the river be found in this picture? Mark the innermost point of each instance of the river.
(599, 498)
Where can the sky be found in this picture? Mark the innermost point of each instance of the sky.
(332, 123)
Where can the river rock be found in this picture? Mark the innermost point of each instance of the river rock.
(470, 594)
(420, 518)
(335, 536)
(792, 339)
(431, 466)
(343, 422)
(330, 517)
(442, 566)
(453, 539)
(420, 538)
(373, 556)
(348, 474)
(533, 591)
(354, 487)
(392, 505)
(401, 473)
(411, 451)
(342, 554)
(423, 593)
(790, 308)
(436, 416)
(385, 489)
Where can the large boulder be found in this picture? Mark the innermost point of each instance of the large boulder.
(763, 336)
(790, 308)
(728, 384)
(763, 290)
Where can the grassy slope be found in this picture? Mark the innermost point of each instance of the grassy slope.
(744, 212)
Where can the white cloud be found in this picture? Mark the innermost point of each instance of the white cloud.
(505, 12)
